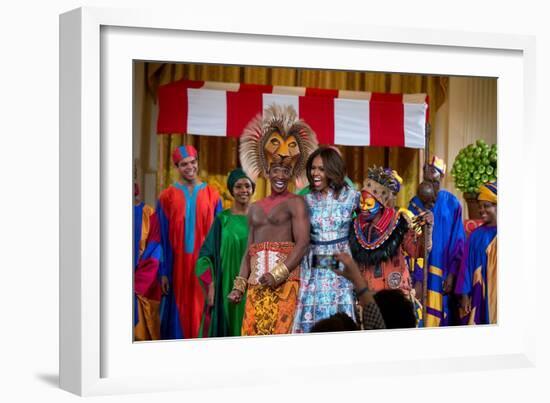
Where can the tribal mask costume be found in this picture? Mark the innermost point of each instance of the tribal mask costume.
(278, 137)
(372, 244)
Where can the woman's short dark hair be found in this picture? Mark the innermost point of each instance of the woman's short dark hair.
(334, 165)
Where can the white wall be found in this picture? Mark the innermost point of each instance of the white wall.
(469, 113)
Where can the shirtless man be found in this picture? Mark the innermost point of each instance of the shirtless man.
(277, 146)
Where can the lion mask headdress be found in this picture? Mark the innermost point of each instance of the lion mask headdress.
(277, 137)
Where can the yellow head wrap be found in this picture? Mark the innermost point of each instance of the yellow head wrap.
(488, 192)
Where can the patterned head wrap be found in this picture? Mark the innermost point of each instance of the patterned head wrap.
(438, 164)
(488, 192)
(182, 152)
(234, 176)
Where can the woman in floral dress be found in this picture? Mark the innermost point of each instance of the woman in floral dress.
(331, 204)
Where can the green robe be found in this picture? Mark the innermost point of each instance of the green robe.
(220, 261)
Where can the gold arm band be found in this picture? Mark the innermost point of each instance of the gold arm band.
(280, 273)
(240, 284)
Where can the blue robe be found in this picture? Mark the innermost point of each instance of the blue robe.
(446, 256)
(478, 276)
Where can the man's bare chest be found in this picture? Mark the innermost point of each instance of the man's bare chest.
(275, 216)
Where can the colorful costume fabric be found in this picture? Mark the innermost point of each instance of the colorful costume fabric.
(446, 256)
(381, 234)
(185, 216)
(147, 256)
(219, 262)
(323, 292)
(478, 276)
(267, 310)
(383, 265)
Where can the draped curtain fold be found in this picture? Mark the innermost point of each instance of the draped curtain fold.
(469, 113)
(218, 155)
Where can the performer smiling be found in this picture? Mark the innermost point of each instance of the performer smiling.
(220, 260)
(185, 211)
(477, 277)
(276, 146)
(331, 204)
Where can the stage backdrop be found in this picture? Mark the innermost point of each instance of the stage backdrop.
(154, 171)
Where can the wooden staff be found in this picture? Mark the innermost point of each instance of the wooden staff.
(425, 279)
(425, 235)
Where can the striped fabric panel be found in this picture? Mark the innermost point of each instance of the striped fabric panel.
(338, 117)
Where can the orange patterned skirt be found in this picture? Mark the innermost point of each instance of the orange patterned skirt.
(270, 311)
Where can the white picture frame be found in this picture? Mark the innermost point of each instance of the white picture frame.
(97, 355)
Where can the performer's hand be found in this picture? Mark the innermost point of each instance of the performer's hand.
(465, 304)
(351, 270)
(211, 294)
(449, 283)
(164, 285)
(267, 279)
(235, 296)
(426, 217)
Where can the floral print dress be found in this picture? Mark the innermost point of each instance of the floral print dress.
(323, 292)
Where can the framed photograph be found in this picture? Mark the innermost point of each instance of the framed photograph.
(102, 52)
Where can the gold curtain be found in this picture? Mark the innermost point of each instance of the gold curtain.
(218, 155)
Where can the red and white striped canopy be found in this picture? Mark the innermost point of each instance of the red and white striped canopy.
(338, 117)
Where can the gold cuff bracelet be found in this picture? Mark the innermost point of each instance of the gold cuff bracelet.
(280, 273)
(240, 284)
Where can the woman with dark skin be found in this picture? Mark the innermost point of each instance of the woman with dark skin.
(220, 258)
(477, 278)
(331, 204)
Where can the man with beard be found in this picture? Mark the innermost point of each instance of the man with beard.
(276, 145)
(185, 211)
(448, 239)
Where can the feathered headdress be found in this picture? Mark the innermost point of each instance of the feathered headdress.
(277, 137)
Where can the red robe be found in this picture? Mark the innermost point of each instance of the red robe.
(185, 217)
